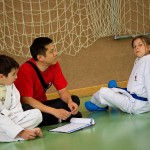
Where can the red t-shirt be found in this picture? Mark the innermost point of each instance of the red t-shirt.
(29, 85)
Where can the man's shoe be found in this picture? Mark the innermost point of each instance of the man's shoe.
(92, 107)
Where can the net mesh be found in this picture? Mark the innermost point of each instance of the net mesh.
(72, 24)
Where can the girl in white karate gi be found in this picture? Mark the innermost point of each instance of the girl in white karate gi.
(15, 124)
(136, 98)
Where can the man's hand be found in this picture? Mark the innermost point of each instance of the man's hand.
(61, 114)
(73, 107)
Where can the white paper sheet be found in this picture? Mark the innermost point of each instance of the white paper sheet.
(74, 125)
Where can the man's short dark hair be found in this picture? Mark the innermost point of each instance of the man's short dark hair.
(38, 46)
(7, 64)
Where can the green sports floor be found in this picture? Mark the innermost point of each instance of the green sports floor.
(113, 130)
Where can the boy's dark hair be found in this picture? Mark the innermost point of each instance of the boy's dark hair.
(7, 64)
(38, 46)
(144, 38)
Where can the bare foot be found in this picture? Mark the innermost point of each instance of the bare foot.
(27, 134)
(38, 132)
(30, 134)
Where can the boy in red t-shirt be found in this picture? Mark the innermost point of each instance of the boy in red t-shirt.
(32, 89)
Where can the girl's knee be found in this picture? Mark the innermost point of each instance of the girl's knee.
(104, 91)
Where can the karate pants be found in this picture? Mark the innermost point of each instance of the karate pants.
(27, 120)
(109, 97)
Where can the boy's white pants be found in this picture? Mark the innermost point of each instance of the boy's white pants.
(121, 99)
(24, 120)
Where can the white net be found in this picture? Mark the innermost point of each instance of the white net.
(72, 24)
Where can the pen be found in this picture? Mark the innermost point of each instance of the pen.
(59, 120)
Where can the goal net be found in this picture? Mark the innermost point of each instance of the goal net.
(72, 24)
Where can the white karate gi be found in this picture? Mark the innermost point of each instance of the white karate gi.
(12, 117)
(139, 84)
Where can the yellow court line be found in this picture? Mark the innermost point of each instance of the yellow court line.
(87, 91)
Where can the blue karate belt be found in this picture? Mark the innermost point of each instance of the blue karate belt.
(135, 96)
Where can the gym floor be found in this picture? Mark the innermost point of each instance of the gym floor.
(113, 130)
